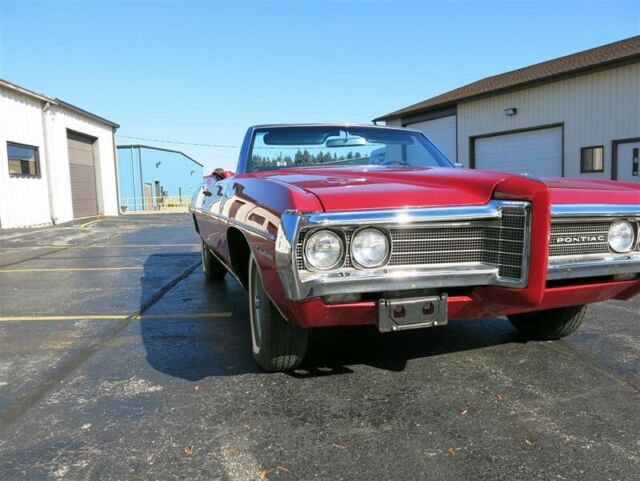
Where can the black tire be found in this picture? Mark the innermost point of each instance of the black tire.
(212, 268)
(550, 324)
(277, 345)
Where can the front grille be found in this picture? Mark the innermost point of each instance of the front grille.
(579, 237)
(499, 243)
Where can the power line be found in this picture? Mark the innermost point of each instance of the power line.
(180, 143)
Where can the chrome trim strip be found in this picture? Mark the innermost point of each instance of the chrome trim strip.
(594, 210)
(403, 217)
(236, 223)
(311, 284)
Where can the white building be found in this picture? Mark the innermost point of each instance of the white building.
(574, 116)
(57, 161)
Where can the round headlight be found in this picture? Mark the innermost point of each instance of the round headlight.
(621, 236)
(324, 250)
(370, 248)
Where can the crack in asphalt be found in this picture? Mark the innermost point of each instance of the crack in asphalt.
(26, 402)
(39, 256)
(567, 351)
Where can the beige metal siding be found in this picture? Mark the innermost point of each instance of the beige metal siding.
(442, 132)
(394, 122)
(82, 170)
(596, 109)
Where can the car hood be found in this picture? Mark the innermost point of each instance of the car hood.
(387, 187)
(586, 191)
(340, 188)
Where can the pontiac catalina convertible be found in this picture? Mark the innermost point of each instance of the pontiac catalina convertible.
(336, 225)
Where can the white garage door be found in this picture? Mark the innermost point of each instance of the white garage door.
(442, 132)
(535, 152)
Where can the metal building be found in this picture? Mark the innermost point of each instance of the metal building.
(152, 178)
(57, 161)
(577, 115)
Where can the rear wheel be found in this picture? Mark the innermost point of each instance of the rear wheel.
(277, 345)
(549, 324)
(212, 268)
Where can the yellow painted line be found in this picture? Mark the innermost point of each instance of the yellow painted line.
(101, 246)
(71, 269)
(62, 318)
(91, 222)
(177, 315)
(118, 317)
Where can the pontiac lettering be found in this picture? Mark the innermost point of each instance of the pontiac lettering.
(583, 239)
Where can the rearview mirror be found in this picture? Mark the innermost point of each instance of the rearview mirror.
(348, 142)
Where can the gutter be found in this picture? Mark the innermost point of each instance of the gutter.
(116, 167)
(47, 161)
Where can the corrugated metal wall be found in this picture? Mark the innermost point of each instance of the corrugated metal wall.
(130, 176)
(176, 174)
(595, 109)
(23, 201)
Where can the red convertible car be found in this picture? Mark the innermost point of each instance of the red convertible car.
(335, 225)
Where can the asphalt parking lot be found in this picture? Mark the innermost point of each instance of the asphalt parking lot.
(119, 361)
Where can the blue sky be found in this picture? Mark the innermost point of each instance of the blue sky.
(202, 72)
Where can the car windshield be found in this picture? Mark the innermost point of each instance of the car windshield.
(282, 147)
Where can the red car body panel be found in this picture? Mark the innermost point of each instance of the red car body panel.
(322, 189)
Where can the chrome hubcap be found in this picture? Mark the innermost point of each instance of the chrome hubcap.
(256, 311)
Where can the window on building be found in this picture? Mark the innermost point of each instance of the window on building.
(592, 159)
(24, 160)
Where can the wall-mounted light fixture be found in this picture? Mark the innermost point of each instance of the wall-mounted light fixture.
(510, 111)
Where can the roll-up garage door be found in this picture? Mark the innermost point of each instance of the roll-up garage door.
(536, 152)
(82, 166)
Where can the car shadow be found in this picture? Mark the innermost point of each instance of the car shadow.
(193, 348)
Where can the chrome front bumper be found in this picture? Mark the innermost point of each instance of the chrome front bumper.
(301, 284)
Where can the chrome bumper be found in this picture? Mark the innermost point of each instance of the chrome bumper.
(305, 284)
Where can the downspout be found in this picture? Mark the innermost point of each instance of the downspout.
(115, 159)
(47, 162)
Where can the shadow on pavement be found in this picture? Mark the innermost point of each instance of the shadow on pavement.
(194, 349)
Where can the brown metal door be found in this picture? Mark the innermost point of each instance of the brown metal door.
(82, 166)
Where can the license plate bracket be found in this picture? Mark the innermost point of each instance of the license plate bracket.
(412, 313)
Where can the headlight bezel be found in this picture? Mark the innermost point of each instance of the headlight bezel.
(634, 236)
(385, 233)
(341, 258)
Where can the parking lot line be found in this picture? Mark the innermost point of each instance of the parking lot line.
(71, 269)
(118, 317)
(99, 246)
(91, 222)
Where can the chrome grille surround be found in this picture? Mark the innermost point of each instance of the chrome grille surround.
(578, 244)
(430, 247)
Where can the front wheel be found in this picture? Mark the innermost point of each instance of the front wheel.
(277, 345)
(549, 324)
